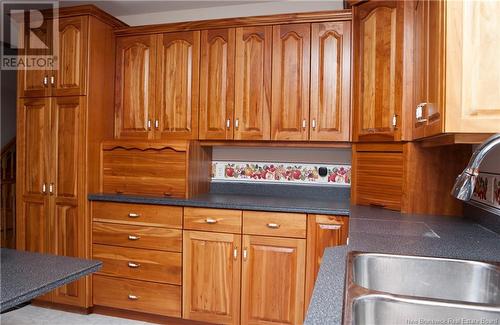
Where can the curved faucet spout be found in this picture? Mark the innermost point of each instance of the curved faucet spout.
(466, 181)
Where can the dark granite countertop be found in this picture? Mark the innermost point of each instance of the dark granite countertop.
(384, 231)
(334, 206)
(27, 275)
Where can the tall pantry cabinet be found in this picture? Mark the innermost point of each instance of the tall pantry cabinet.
(62, 116)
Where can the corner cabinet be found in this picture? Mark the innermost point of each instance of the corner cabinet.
(57, 143)
(378, 53)
(457, 75)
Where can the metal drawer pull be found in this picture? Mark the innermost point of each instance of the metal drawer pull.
(52, 80)
(210, 221)
(134, 215)
(44, 188)
(330, 227)
(235, 253)
(133, 237)
(304, 123)
(237, 123)
(51, 188)
(273, 225)
(133, 297)
(45, 81)
(228, 123)
(133, 265)
(245, 254)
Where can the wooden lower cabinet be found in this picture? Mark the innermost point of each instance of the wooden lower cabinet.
(272, 286)
(212, 277)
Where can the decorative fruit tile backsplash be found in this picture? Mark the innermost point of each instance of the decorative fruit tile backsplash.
(487, 190)
(283, 173)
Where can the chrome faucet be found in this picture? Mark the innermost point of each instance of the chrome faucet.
(466, 181)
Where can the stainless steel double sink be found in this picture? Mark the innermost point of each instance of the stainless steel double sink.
(385, 289)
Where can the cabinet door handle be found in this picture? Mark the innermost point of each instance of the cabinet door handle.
(52, 80)
(394, 120)
(313, 124)
(236, 123)
(245, 254)
(133, 215)
(133, 265)
(51, 188)
(228, 123)
(133, 237)
(44, 188)
(273, 225)
(419, 113)
(45, 81)
(157, 124)
(329, 227)
(304, 123)
(148, 124)
(211, 221)
(133, 297)
(235, 253)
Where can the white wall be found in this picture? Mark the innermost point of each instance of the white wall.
(243, 10)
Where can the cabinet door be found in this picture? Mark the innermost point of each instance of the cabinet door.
(32, 217)
(330, 81)
(290, 81)
(67, 169)
(428, 72)
(217, 84)
(252, 92)
(34, 82)
(134, 86)
(322, 231)
(272, 280)
(176, 115)
(378, 49)
(211, 280)
(472, 66)
(69, 78)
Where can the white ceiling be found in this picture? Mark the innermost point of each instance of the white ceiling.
(134, 7)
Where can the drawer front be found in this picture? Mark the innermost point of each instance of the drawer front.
(274, 224)
(138, 214)
(140, 264)
(137, 236)
(146, 297)
(219, 220)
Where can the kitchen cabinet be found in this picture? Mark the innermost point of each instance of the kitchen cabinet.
(134, 86)
(177, 86)
(252, 83)
(322, 231)
(69, 79)
(217, 84)
(378, 51)
(272, 285)
(330, 105)
(290, 81)
(157, 84)
(57, 137)
(455, 71)
(212, 263)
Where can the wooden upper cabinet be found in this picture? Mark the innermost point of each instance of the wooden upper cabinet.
(134, 86)
(330, 109)
(378, 67)
(472, 66)
(35, 82)
(428, 74)
(272, 280)
(70, 77)
(217, 84)
(252, 94)
(211, 281)
(177, 86)
(290, 81)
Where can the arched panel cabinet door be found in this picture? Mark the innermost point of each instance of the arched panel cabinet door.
(134, 86)
(69, 79)
(176, 113)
